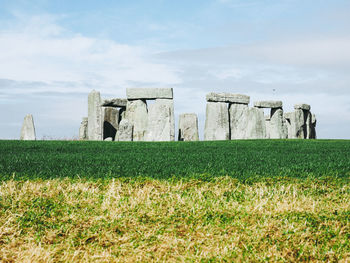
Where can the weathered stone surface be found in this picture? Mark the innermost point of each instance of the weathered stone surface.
(125, 131)
(256, 128)
(313, 127)
(116, 102)
(95, 120)
(238, 120)
(109, 139)
(110, 122)
(28, 129)
(302, 106)
(268, 104)
(296, 123)
(216, 122)
(149, 93)
(136, 113)
(277, 129)
(161, 121)
(228, 97)
(83, 133)
(188, 127)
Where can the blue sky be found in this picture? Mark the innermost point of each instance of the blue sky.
(52, 53)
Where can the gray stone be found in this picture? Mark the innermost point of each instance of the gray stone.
(238, 120)
(277, 129)
(110, 122)
(161, 121)
(313, 127)
(268, 127)
(216, 122)
(83, 132)
(188, 127)
(125, 131)
(268, 104)
(296, 123)
(302, 106)
(149, 93)
(256, 128)
(28, 129)
(117, 102)
(95, 120)
(228, 97)
(136, 113)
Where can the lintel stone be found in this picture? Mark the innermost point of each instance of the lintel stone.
(268, 104)
(149, 93)
(302, 106)
(228, 97)
(115, 102)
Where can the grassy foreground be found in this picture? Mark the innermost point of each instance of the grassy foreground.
(250, 201)
(280, 219)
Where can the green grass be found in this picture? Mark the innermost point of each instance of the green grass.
(244, 160)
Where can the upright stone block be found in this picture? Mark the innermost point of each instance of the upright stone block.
(110, 122)
(136, 113)
(216, 122)
(238, 120)
(149, 93)
(228, 98)
(256, 128)
(313, 127)
(83, 132)
(161, 121)
(296, 122)
(95, 120)
(188, 127)
(124, 132)
(28, 129)
(277, 129)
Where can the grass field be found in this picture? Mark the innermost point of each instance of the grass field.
(227, 201)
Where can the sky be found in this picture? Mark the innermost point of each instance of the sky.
(54, 52)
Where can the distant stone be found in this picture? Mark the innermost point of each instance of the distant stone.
(109, 139)
(161, 121)
(296, 123)
(277, 128)
(117, 102)
(83, 132)
(188, 127)
(125, 131)
(238, 120)
(110, 122)
(95, 121)
(28, 129)
(268, 104)
(228, 97)
(136, 113)
(302, 106)
(149, 93)
(256, 128)
(313, 127)
(216, 122)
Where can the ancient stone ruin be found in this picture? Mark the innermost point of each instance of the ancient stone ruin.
(228, 117)
(28, 129)
(131, 119)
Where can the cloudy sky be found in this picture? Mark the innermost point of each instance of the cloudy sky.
(54, 52)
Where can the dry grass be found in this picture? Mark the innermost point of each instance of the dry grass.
(148, 220)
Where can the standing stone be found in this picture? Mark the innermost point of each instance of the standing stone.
(95, 121)
(313, 127)
(110, 122)
(216, 122)
(28, 129)
(83, 133)
(136, 113)
(277, 129)
(296, 123)
(125, 131)
(256, 128)
(161, 121)
(238, 120)
(188, 127)
(268, 126)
